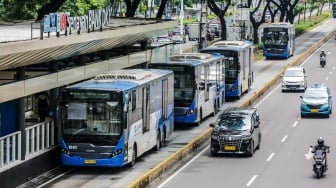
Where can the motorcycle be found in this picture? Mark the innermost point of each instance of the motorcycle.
(323, 60)
(319, 166)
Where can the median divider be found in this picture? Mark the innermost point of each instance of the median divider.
(178, 158)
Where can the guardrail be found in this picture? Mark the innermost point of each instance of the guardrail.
(10, 149)
(39, 137)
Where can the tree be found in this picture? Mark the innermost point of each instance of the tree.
(52, 6)
(131, 7)
(257, 23)
(161, 9)
(220, 14)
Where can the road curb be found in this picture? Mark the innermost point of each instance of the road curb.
(191, 147)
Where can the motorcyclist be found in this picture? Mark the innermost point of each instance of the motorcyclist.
(322, 54)
(321, 146)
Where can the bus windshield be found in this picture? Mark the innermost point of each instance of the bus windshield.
(184, 82)
(275, 37)
(183, 89)
(88, 119)
(231, 63)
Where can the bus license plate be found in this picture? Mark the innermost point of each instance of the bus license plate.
(230, 148)
(90, 161)
(314, 110)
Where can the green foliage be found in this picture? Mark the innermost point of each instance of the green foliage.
(20, 9)
(305, 26)
(79, 7)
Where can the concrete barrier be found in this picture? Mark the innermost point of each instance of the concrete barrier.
(182, 155)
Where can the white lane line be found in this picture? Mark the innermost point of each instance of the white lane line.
(183, 167)
(284, 138)
(270, 157)
(251, 180)
(326, 78)
(334, 68)
(295, 124)
(330, 73)
(262, 100)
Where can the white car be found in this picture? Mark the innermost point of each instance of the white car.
(178, 37)
(294, 79)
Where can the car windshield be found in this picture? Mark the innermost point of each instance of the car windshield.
(315, 94)
(293, 73)
(232, 123)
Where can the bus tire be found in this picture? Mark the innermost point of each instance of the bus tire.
(158, 142)
(163, 141)
(134, 156)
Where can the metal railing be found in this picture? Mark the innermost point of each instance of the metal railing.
(39, 137)
(10, 149)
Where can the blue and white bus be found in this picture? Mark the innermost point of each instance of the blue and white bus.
(238, 65)
(278, 40)
(116, 117)
(198, 85)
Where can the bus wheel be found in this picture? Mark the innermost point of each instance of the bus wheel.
(134, 156)
(163, 141)
(158, 142)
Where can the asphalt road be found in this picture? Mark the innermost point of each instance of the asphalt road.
(281, 161)
(209, 171)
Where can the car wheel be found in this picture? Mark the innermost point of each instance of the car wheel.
(259, 141)
(302, 116)
(251, 149)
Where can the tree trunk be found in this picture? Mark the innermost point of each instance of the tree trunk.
(52, 6)
(161, 9)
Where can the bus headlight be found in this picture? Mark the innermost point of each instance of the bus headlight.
(189, 112)
(115, 153)
(65, 151)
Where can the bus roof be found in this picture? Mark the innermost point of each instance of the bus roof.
(193, 59)
(123, 79)
(280, 24)
(229, 45)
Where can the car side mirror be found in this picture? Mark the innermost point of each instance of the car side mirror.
(301, 97)
(281, 75)
(212, 125)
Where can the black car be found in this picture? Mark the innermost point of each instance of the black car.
(236, 131)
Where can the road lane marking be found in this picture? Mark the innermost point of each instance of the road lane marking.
(330, 73)
(326, 78)
(183, 167)
(295, 124)
(262, 100)
(270, 157)
(251, 180)
(284, 138)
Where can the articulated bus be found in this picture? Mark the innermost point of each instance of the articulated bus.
(238, 65)
(198, 85)
(116, 117)
(278, 40)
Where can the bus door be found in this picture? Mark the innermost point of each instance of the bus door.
(146, 113)
(164, 99)
(145, 108)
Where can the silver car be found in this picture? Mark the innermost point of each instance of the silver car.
(294, 79)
